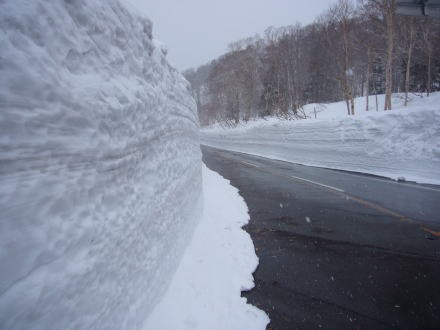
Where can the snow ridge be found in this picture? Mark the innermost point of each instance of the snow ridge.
(404, 142)
(100, 166)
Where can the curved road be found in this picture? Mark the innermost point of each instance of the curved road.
(338, 250)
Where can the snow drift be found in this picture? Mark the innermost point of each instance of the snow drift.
(404, 142)
(217, 265)
(100, 166)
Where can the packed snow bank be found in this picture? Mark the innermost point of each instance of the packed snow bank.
(216, 267)
(100, 166)
(404, 142)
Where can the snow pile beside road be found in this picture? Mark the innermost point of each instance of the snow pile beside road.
(404, 142)
(216, 267)
(100, 166)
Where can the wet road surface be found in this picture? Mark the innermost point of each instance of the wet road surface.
(338, 250)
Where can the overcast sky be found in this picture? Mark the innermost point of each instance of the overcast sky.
(197, 31)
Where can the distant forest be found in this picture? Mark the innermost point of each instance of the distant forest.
(353, 49)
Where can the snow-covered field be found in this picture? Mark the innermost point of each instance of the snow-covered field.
(100, 166)
(404, 142)
(216, 267)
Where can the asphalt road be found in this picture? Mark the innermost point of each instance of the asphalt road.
(338, 250)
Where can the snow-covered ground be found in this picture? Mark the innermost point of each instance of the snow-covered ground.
(216, 267)
(100, 166)
(404, 142)
(101, 182)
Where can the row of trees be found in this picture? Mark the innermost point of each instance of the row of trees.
(353, 49)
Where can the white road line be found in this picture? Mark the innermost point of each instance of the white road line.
(317, 183)
(356, 199)
(345, 172)
(249, 164)
(238, 161)
(290, 176)
(387, 180)
(422, 187)
(348, 173)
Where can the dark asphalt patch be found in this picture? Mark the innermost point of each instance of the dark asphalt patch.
(331, 263)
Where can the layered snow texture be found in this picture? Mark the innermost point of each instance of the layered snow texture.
(100, 166)
(216, 267)
(402, 143)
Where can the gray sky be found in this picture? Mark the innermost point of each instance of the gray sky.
(197, 31)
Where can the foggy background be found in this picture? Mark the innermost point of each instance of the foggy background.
(197, 31)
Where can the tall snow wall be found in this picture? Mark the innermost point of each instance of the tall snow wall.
(100, 166)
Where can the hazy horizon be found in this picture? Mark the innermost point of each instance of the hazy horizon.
(197, 31)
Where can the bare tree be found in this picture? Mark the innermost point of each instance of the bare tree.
(339, 21)
(384, 13)
(430, 37)
(389, 8)
(347, 52)
(407, 39)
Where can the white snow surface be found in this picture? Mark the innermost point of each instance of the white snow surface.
(404, 142)
(216, 267)
(100, 166)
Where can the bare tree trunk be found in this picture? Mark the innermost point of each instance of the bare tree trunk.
(368, 79)
(408, 62)
(390, 51)
(351, 102)
(237, 109)
(429, 83)
(345, 86)
(347, 72)
(377, 103)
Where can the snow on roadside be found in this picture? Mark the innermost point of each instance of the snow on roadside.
(216, 267)
(404, 142)
(100, 166)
